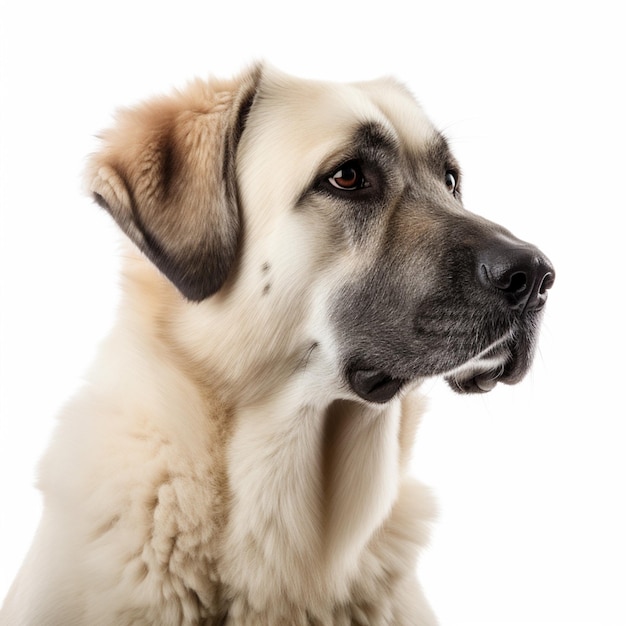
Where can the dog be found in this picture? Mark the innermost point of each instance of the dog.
(297, 261)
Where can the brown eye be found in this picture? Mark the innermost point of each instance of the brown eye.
(349, 177)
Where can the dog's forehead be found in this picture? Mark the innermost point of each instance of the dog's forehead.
(296, 125)
(323, 115)
(402, 111)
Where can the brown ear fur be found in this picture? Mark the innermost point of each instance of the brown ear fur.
(166, 174)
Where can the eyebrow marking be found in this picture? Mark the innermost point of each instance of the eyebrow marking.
(369, 141)
(373, 135)
(439, 150)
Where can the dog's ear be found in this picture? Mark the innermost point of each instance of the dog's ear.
(166, 173)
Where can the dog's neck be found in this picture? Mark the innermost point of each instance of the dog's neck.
(310, 486)
(310, 479)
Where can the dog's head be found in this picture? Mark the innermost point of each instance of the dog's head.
(332, 215)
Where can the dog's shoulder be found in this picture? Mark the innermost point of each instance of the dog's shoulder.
(143, 509)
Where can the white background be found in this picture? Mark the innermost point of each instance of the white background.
(530, 479)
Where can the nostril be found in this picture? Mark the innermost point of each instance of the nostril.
(546, 283)
(505, 279)
(518, 283)
(513, 284)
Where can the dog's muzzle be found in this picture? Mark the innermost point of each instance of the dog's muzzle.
(508, 287)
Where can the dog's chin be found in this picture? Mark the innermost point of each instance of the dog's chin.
(507, 364)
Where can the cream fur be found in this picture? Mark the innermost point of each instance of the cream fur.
(215, 469)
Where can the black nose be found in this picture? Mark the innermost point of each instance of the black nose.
(521, 273)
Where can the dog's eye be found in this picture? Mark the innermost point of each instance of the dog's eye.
(349, 177)
(451, 181)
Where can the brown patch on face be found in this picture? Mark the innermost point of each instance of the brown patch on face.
(167, 175)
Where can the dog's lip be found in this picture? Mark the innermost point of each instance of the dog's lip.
(506, 364)
(481, 382)
(374, 385)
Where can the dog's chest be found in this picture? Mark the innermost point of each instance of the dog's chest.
(156, 511)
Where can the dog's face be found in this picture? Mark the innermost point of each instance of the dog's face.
(324, 221)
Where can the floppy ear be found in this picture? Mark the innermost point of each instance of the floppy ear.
(166, 173)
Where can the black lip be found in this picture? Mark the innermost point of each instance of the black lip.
(374, 385)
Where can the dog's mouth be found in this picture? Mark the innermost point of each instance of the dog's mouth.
(505, 361)
(478, 380)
